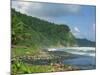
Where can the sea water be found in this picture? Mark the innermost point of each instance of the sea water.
(85, 57)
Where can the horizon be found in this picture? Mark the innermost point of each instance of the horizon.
(79, 18)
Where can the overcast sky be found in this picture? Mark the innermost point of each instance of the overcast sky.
(80, 18)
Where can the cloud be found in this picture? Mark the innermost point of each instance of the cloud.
(45, 9)
(94, 26)
(73, 8)
(77, 33)
(76, 29)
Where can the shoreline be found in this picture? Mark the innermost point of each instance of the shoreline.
(53, 60)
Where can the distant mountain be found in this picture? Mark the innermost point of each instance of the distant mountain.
(35, 32)
(85, 43)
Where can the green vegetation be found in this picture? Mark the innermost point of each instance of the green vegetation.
(23, 68)
(32, 31)
(21, 51)
(30, 35)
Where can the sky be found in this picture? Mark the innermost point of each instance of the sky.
(80, 18)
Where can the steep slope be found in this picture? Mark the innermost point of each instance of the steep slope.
(32, 31)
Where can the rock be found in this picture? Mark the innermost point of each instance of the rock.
(70, 68)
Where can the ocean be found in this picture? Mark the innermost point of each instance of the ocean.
(85, 57)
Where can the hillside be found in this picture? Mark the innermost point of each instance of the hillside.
(32, 31)
(85, 43)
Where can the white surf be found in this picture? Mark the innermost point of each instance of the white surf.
(87, 51)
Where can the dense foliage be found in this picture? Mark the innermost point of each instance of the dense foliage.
(28, 30)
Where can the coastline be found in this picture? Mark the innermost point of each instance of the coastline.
(54, 61)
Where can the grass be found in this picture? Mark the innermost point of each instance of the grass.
(20, 51)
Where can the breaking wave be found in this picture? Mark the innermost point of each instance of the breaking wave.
(87, 51)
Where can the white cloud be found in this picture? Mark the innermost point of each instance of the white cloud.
(24, 6)
(77, 33)
(94, 26)
(76, 29)
(73, 8)
(45, 9)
